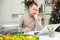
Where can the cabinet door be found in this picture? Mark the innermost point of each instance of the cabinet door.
(18, 6)
(48, 10)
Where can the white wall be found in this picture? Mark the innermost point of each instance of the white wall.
(9, 7)
(5, 10)
(40, 2)
(0, 10)
(17, 6)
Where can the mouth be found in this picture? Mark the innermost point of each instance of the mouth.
(34, 13)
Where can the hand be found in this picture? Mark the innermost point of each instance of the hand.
(26, 29)
(35, 16)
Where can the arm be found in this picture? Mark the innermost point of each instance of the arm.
(38, 23)
(23, 28)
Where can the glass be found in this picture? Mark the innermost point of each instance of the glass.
(51, 31)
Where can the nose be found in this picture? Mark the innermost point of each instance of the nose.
(35, 11)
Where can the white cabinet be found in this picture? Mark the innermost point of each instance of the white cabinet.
(5, 10)
(10, 7)
(18, 6)
(0, 11)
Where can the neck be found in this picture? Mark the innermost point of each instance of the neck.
(30, 14)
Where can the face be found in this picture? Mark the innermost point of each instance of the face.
(33, 9)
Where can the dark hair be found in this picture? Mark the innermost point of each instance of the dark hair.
(30, 3)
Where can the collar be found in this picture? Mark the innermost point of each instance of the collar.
(30, 14)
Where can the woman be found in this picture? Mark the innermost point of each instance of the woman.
(31, 21)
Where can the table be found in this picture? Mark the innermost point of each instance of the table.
(42, 37)
(46, 37)
(10, 28)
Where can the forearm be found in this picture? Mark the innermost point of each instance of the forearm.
(38, 24)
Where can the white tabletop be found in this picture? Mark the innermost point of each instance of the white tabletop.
(46, 37)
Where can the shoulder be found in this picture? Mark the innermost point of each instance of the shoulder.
(25, 15)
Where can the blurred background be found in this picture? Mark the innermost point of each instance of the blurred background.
(11, 10)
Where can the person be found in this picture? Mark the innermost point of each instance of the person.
(30, 21)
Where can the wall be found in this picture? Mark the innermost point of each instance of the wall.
(40, 2)
(17, 6)
(0, 10)
(9, 7)
(5, 10)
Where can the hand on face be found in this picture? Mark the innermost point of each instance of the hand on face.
(35, 16)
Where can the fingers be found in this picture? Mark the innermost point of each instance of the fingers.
(26, 29)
